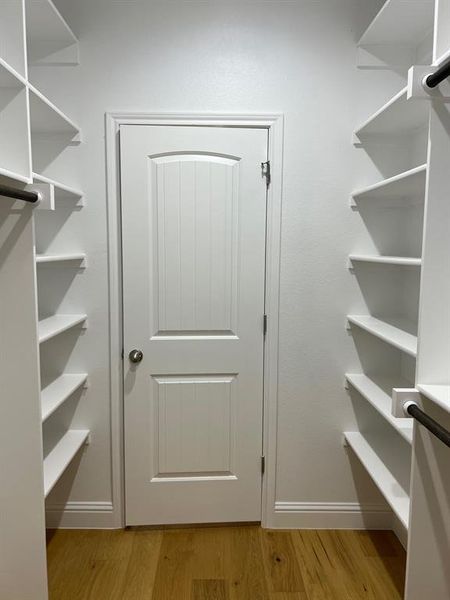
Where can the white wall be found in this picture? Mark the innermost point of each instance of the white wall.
(294, 57)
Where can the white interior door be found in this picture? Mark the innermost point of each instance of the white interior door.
(193, 224)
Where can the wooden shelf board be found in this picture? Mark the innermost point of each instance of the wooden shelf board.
(58, 391)
(400, 22)
(387, 260)
(53, 326)
(61, 189)
(395, 495)
(397, 332)
(440, 394)
(47, 119)
(59, 458)
(54, 258)
(398, 116)
(405, 185)
(378, 392)
(47, 33)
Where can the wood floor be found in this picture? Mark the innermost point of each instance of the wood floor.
(225, 563)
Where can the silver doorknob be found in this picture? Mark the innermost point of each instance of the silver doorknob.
(136, 356)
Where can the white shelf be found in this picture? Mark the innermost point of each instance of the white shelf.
(395, 495)
(9, 77)
(55, 258)
(61, 189)
(379, 394)
(387, 260)
(57, 392)
(397, 332)
(53, 326)
(440, 394)
(59, 458)
(398, 116)
(47, 119)
(410, 184)
(49, 39)
(400, 22)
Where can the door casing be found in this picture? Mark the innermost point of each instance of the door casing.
(274, 123)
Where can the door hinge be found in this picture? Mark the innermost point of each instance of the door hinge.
(122, 354)
(263, 465)
(265, 325)
(265, 170)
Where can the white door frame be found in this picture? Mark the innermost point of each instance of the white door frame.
(274, 124)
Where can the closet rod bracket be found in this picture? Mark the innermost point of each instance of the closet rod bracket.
(418, 89)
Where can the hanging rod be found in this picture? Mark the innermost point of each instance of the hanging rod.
(17, 194)
(438, 76)
(411, 408)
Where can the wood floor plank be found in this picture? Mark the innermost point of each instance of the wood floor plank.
(319, 566)
(208, 553)
(109, 565)
(209, 589)
(71, 563)
(244, 564)
(172, 579)
(280, 561)
(288, 596)
(141, 570)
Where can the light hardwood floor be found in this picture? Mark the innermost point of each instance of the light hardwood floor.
(225, 563)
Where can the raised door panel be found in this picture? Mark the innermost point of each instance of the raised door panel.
(195, 233)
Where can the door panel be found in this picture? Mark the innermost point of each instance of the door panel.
(197, 237)
(193, 229)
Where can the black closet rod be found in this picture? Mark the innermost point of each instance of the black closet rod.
(10, 192)
(433, 426)
(438, 76)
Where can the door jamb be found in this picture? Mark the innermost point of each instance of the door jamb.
(274, 123)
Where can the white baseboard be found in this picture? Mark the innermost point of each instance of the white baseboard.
(330, 515)
(81, 515)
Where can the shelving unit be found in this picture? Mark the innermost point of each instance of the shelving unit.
(396, 332)
(400, 22)
(395, 137)
(58, 391)
(61, 258)
(407, 185)
(47, 119)
(34, 136)
(378, 393)
(386, 482)
(440, 394)
(59, 458)
(404, 261)
(50, 41)
(52, 326)
(397, 117)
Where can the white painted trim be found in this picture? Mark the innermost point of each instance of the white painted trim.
(274, 123)
(331, 515)
(80, 515)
